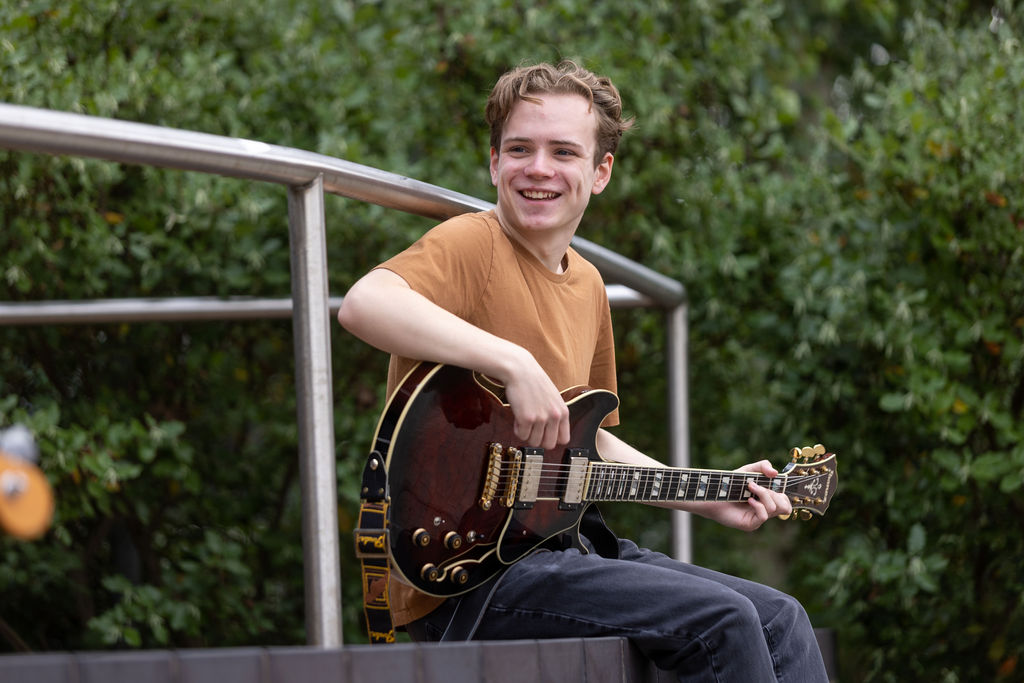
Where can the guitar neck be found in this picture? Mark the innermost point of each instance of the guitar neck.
(610, 482)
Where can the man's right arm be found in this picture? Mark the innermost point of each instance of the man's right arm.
(385, 312)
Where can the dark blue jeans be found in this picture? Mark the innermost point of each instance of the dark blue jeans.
(704, 625)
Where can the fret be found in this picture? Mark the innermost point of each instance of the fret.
(620, 478)
(723, 486)
(650, 478)
(681, 489)
(641, 483)
(600, 482)
(602, 479)
(615, 483)
(702, 486)
(656, 485)
(634, 483)
(736, 487)
(646, 474)
(745, 490)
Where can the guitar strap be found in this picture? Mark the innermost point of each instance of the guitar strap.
(371, 538)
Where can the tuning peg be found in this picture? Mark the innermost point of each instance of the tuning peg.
(805, 515)
(819, 449)
(794, 454)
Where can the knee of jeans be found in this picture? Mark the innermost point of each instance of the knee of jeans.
(790, 614)
(740, 616)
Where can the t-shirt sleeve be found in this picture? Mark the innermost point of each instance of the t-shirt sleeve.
(449, 265)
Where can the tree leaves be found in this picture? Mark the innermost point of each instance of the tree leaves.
(848, 229)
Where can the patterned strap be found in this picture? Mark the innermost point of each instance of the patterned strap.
(371, 537)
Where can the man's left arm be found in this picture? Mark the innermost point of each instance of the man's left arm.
(747, 516)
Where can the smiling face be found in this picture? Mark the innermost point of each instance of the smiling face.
(545, 173)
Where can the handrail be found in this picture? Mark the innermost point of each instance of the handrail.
(307, 176)
(197, 308)
(41, 130)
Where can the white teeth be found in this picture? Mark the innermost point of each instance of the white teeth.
(531, 194)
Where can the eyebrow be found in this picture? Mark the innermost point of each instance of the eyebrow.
(551, 143)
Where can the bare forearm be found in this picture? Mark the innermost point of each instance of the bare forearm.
(382, 310)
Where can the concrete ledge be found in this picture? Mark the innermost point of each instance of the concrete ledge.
(594, 660)
(598, 660)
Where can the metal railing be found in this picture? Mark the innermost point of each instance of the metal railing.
(307, 176)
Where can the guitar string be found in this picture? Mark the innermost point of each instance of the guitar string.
(630, 487)
(548, 466)
(614, 469)
(651, 476)
(551, 471)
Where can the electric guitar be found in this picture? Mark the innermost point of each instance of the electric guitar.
(466, 500)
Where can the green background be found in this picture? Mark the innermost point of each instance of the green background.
(838, 185)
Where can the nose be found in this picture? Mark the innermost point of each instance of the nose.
(539, 166)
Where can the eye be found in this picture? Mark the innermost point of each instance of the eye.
(516, 149)
(565, 153)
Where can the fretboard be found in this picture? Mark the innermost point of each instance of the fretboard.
(617, 482)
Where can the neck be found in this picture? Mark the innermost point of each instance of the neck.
(548, 247)
(619, 482)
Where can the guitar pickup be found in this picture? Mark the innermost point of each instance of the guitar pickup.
(533, 463)
(575, 479)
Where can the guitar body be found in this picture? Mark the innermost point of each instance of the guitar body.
(462, 503)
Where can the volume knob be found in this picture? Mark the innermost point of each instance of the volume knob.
(460, 576)
(421, 537)
(452, 541)
(429, 572)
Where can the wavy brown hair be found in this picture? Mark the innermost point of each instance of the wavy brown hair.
(565, 78)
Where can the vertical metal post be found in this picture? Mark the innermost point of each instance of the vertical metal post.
(679, 418)
(315, 408)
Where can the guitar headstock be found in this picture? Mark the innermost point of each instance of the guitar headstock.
(811, 479)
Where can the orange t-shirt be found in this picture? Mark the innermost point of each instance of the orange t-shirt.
(470, 267)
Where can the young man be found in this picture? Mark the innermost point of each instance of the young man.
(501, 292)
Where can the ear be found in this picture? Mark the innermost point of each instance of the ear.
(603, 173)
(494, 167)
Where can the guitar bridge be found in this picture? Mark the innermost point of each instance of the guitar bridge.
(491, 478)
(512, 487)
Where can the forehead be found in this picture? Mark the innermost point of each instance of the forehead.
(555, 118)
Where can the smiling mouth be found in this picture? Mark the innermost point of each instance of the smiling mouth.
(537, 194)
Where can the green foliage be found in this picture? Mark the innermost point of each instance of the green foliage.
(838, 186)
(924, 260)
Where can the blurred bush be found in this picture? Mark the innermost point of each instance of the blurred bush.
(838, 186)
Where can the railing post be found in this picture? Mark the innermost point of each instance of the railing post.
(676, 354)
(315, 408)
